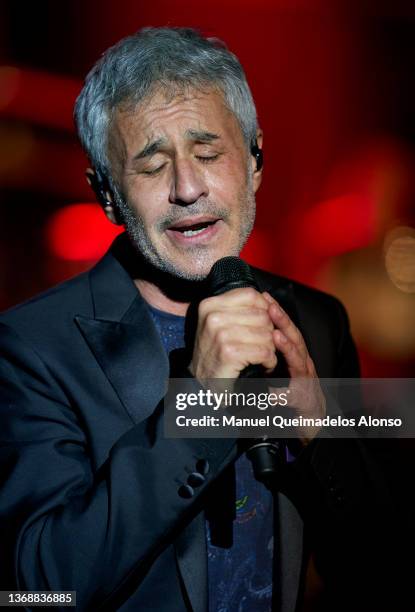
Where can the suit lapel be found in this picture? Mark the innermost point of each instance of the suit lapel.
(123, 338)
(191, 555)
(131, 359)
(125, 342)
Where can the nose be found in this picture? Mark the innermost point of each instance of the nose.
(188, 183)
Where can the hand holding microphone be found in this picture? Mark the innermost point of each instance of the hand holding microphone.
(240, 329)
(234, 338)
(234, 330)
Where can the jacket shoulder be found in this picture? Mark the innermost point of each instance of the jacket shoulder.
(56, 305)
(305, 297)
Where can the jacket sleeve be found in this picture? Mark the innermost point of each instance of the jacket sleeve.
(64, 527)
(352, 497)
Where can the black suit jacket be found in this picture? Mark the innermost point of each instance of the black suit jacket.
(90, 488)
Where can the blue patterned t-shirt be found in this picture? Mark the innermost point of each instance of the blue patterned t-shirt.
(240, 577)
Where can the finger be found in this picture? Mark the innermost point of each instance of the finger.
(268, 297)
(246, 296)
(245, 334)
(254, 317)
(296, 359)
(250, 354)
(283, 322)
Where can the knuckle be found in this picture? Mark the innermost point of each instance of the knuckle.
(261, 302)
(250, 292)
(203, 308)
(226, 352)
(254, 298)
(212, 321)
(262, 317)
(221, 335)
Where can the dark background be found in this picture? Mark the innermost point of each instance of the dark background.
(334, 86)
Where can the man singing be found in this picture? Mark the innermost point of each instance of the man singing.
(94, 498)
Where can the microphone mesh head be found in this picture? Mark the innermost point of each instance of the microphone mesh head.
(230, 273)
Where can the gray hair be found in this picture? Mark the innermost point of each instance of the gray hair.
(154, 58)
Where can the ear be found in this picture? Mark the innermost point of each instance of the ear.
(257, 174)
(100, 187)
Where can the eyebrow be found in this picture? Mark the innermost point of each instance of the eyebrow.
(201, 136)
(151, 148)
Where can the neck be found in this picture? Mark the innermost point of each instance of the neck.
(160, 289)
(155, 296)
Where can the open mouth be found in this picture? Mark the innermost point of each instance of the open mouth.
(188, 229)
(193, 230)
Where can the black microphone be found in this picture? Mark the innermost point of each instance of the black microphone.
(233, 273)
(266, 454)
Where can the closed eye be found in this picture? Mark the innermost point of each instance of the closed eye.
(207, 158)
(153, 171)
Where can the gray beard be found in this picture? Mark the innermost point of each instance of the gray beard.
(140, 239)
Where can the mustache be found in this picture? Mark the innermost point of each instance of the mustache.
(201, 207)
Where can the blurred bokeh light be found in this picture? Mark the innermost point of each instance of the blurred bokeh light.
(80, 232)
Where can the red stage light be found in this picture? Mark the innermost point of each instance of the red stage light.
(339, 225)
(80, 232)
